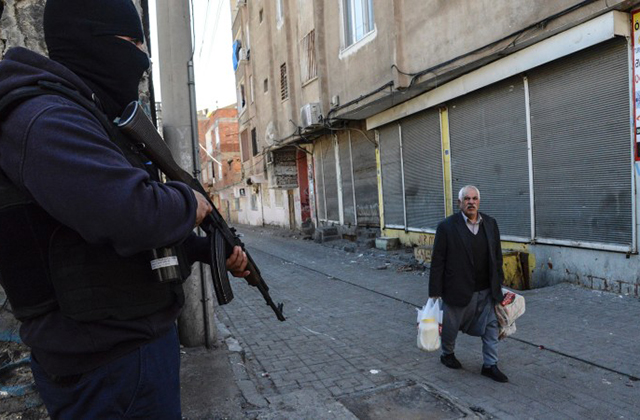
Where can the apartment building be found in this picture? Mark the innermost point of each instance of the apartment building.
(399, 103)
(220, 166)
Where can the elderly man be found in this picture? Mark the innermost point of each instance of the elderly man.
(466, 271)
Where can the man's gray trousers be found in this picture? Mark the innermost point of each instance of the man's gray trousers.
(478, 319)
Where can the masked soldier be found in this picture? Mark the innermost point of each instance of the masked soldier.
(80, 214)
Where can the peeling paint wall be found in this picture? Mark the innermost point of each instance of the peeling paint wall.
(21, 25)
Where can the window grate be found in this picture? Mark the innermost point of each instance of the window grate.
(284, 84)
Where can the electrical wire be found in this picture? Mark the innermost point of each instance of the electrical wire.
(204, 28)
(214, 32)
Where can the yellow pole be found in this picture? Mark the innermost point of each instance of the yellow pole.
(446, 161)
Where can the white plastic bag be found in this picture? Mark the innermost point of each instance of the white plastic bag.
(429, 321)
(507, 311)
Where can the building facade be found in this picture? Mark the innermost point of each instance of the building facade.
(220, 165)
(408, 100)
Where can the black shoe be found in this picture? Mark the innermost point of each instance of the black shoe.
(494, 373)
(450, 361)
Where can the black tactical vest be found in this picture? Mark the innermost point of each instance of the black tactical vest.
(44, 265)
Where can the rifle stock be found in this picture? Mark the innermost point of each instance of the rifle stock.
(141, 131)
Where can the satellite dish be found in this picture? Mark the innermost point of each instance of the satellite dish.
(270, 134)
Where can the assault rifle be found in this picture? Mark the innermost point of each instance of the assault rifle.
(135, 124)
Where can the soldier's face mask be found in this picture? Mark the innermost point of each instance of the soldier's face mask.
(93, 38)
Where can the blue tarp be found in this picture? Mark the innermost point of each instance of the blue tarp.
(237, 46)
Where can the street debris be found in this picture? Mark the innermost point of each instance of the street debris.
(374, 371)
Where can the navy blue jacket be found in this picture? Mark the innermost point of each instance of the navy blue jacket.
(58, 152)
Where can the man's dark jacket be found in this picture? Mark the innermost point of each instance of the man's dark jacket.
(60, 155)
(452, 271)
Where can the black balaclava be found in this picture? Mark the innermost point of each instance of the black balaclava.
(81, 35)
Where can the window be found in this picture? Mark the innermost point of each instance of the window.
(237, 203)
(279, 12)
(308, 68)
(284, 85)
(210, 172)
(217, 137)
(244, 146)
(358, 20)
(242, 102)
(265, 86)
(254, 141)
(254, 202)
(219, 170)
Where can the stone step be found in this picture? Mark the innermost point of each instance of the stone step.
(326, 233)
(387, 244)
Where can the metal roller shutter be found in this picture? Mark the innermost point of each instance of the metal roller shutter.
(319, 182)
(347, 180)
(389, 138)
(581, 139)
(330, 179)
(423, 183)
(365, 176)
(488, 132)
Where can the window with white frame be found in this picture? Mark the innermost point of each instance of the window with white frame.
(217, 137)
(358, 20)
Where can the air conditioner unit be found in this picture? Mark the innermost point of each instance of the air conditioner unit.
(311, 115)
(243, 55)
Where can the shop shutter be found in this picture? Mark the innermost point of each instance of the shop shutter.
(488, 133)
(347, 180)
(330, 179)
(319, 182)
(422, 156)
(389, 138)
(365, 176)
(581, 139)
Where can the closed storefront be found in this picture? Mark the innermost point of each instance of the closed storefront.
(422, 162)
(550, 151)
(488, 131)
(581, 138)
(365, 178)
(391, 167)
(345, 178)
(412, 176)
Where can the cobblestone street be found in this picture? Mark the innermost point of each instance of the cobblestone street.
(350, 340)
